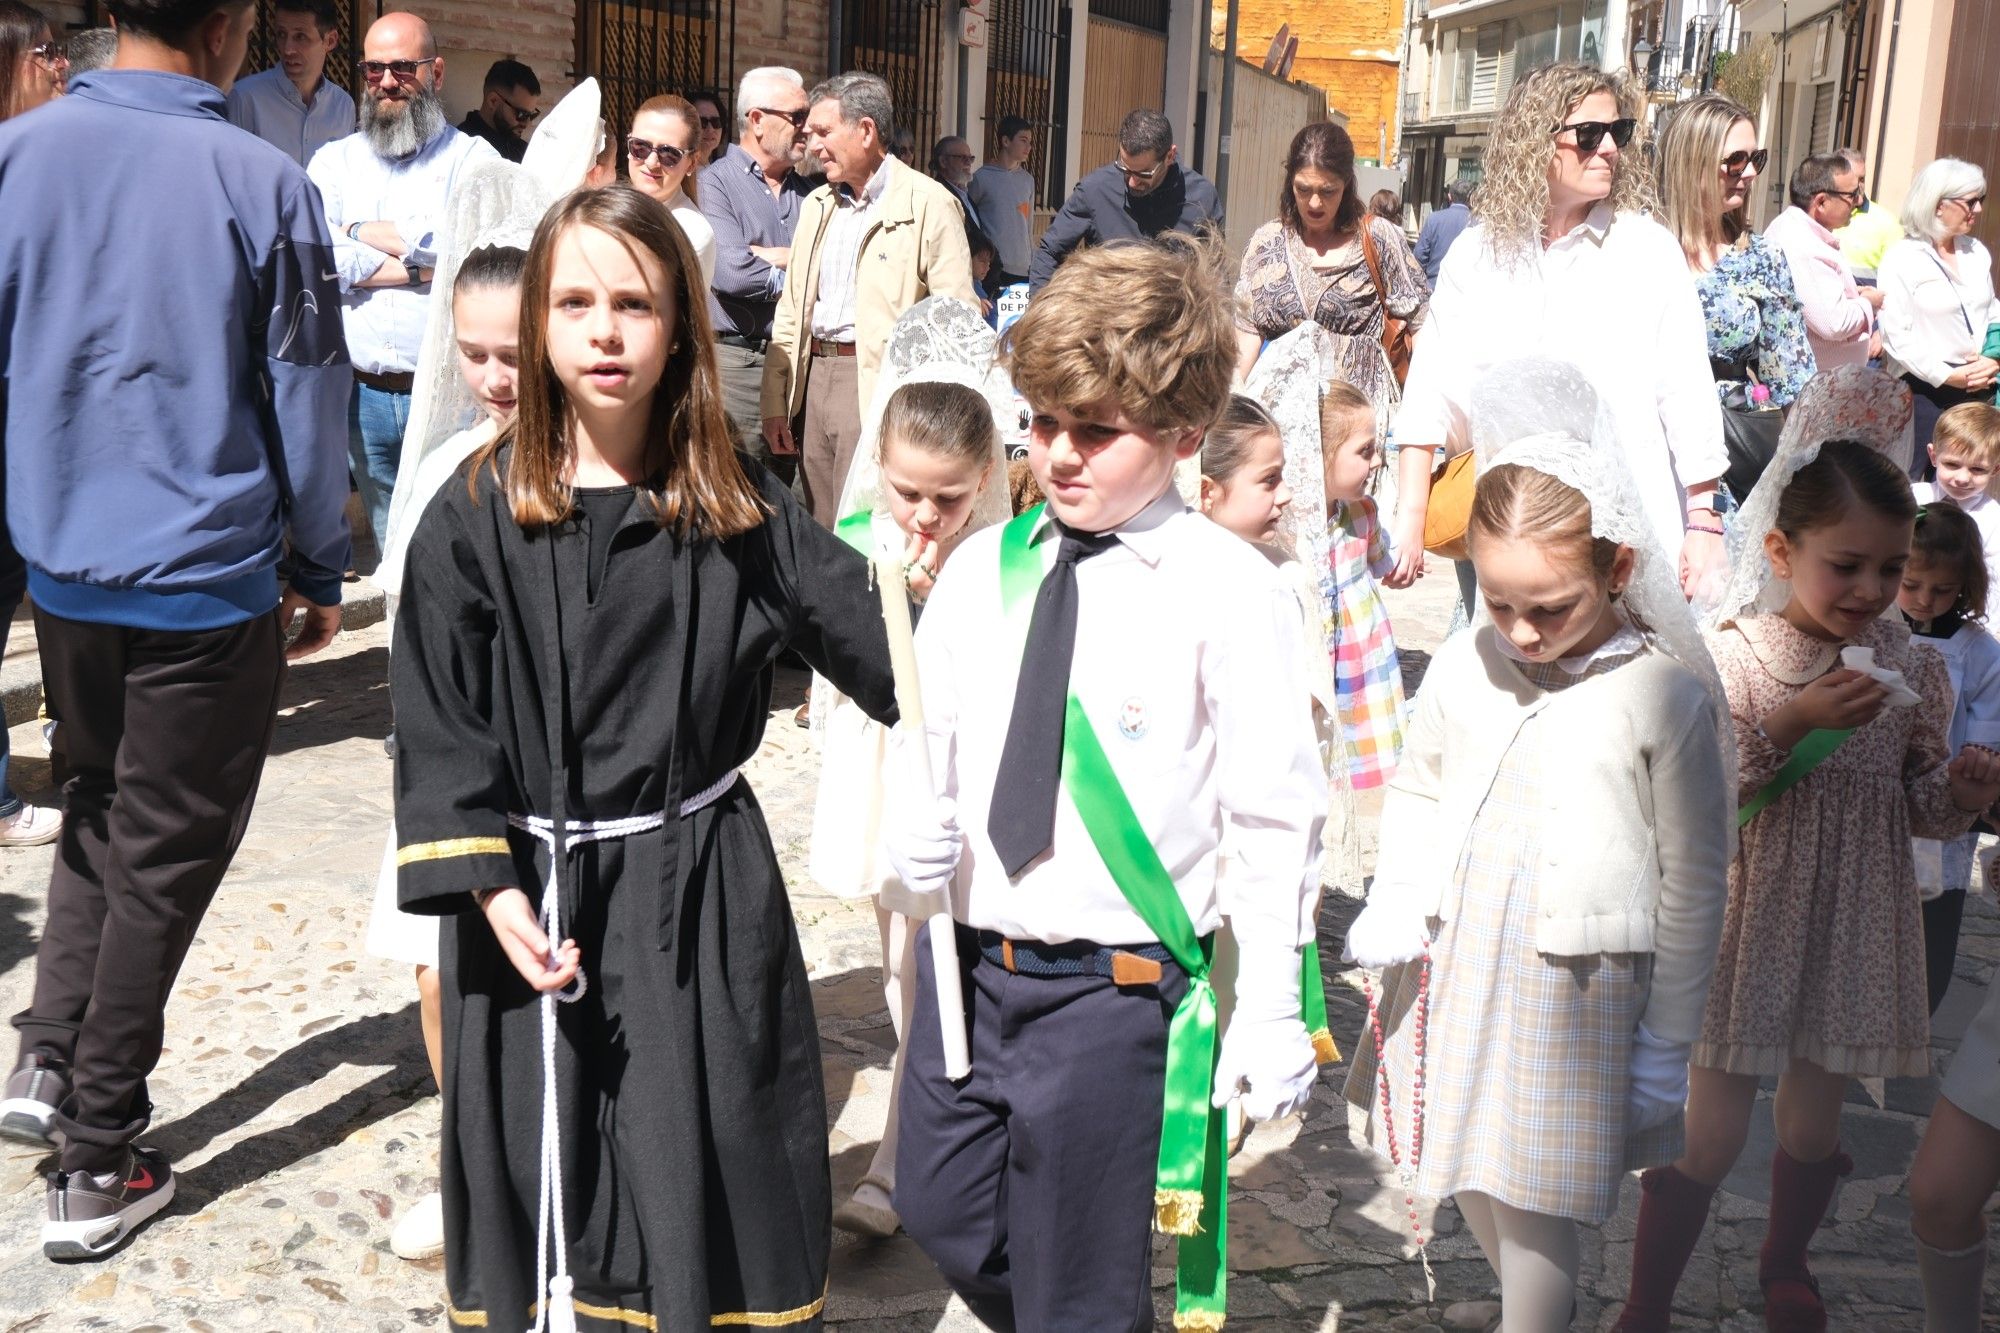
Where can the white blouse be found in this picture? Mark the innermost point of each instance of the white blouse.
(700, 235)
(1619, 303)
(1932, 321)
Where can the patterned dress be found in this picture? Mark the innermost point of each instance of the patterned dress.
(1529, 1055)
(1755, 319)
(1283, 284)
(1822, 943)
(1367, 674)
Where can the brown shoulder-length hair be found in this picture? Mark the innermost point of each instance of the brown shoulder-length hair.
(666, 104)
(694, 479)
(22, 28)
(1323, 145)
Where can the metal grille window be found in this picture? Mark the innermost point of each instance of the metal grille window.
(1024, 54)
(899, 40)
(355, 15)
(641, 48)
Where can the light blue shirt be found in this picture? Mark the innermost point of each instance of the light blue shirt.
(385, 325)
(269, 106)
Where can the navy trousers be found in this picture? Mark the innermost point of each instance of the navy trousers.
(1030, 1183)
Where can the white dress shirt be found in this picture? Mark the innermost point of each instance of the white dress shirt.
(1191, 665)
(269, 106)
(385, 325)
(699, 232)
(833, 312)
(1615, 299)
(1839, 319)
(1934, 321)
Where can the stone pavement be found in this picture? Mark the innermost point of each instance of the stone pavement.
(294, 1100)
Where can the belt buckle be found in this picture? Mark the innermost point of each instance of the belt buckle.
(1129, 969)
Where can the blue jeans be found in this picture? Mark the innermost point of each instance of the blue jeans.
(10, 804)
(374, 449)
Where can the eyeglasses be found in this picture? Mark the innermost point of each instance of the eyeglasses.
(520, 114)
(960, 157)
(50, 53)
(1754, 159)
(1145, 175)
(404, 70)
(670, 156)
(1853, 198)
(1969, 202)
(711, 122)
(798, 118)
(1590, 133)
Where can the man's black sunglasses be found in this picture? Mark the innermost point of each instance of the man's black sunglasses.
(798, 118)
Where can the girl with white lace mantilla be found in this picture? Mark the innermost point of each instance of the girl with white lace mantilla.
(1553, 849)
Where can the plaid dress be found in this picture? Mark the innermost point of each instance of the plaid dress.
(1367, 675)
(1529, 1055)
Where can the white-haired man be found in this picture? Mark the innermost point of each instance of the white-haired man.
(751, 197)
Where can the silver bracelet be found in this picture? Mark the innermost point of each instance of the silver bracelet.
(1766, 736)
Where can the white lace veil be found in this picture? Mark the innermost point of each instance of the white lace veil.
(1845, 403)
(1288, 380)
(493, 203)
(939, 340)
(1545, 415)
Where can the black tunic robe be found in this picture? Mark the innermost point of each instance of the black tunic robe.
(693, 1114)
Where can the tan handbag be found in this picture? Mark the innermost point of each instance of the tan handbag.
(1396, 335)
(1450, 508)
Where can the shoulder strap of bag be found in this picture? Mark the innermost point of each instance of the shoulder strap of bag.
(1374, 265)
(1809, 754)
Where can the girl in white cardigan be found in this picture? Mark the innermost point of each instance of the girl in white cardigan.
(1554, 846)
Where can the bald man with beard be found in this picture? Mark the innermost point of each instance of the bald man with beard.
(385, 188)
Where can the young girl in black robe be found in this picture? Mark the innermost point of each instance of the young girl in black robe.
(585, 642)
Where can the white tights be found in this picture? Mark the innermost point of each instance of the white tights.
(1536, 1258)
(899, 991)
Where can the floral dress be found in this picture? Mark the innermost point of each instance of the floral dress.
(1755, 320)
(1822, 952)
(1367, 674)
(1527, 1064)
(1283, 284)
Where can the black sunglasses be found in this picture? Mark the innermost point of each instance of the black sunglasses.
(523, 116)
(670, 157)
(404, 70)
(711, 122)
(798, 118)
(1742, 157)
(1590, 133)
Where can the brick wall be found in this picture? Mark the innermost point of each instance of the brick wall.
(1349, 49)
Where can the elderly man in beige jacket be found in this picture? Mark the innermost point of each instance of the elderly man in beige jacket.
(877, 238)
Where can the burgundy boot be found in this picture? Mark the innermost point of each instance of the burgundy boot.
(1800, 1192)
(1672, 1212)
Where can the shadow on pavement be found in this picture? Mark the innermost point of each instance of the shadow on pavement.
(364, 1041)
(328, 703)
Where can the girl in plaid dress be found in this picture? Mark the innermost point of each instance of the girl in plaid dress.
(1551, 879)
(1367, 675)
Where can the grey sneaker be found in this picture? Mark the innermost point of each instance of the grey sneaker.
(35, 1089)
(89, 1215)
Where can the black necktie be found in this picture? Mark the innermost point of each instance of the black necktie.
(1022, 819)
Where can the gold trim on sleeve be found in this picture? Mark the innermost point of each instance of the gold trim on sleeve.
(465, 1318)
(754, 1319)
(451, 848)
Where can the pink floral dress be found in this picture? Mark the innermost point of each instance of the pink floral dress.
(1822, 951)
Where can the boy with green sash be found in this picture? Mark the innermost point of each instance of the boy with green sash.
(1119, 724)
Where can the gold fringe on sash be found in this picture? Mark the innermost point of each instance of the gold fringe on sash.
(1177, 1212)
(1198, 1321)
(1323, 1048)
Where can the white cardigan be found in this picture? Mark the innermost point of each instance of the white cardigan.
(1635, 833)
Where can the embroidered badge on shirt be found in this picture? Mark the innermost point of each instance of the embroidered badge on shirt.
(1132, 719)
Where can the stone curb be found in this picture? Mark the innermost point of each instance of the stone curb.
(21, 679)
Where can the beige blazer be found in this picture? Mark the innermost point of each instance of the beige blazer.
(915, 247)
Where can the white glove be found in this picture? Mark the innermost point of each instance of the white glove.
(1388, 931)
(1267, 1057)
(920, 833)
(1863, 660)
(1659, 1081)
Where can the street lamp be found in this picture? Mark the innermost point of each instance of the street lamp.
(1642, 59)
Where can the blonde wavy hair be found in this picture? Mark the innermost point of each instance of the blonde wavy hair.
(1513, 199)
(1691, 174)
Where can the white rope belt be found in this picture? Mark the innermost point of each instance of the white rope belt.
(558, 1311)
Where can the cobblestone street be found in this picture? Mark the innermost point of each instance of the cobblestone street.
(295, 1103)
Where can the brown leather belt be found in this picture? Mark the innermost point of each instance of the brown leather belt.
(824, 347)
(1125, 967)
(396, 381)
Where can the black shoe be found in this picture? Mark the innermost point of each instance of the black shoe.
(89, 1215)
(35, 1089)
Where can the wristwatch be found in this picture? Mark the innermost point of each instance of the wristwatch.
(354, 231)
(416, 277)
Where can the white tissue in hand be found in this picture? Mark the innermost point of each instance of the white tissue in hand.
(1863, 660)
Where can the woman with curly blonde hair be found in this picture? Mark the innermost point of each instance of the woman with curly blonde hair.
(1562, 261)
